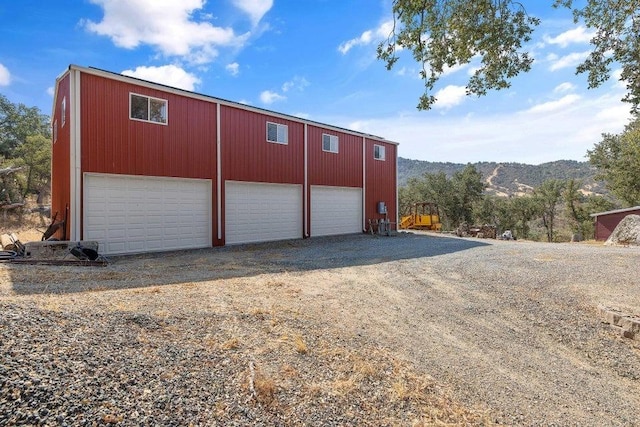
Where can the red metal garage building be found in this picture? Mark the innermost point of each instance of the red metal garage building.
(606, 222)
(140, 166)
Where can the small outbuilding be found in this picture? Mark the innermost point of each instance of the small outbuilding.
(606, 222)
(139, 166)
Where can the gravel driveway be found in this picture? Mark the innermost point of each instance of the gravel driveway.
(353, 330)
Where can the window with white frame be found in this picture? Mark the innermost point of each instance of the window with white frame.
(63, 111)
(378, 152)
(329, 143)
(147, 109)
(277, 133)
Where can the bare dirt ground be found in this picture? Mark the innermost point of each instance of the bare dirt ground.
(414, 329)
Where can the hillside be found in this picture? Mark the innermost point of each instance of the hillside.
(509, 178)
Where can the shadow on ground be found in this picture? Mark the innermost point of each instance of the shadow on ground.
(231, 262)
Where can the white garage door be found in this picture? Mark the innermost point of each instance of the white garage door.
(257, 212)
(132, 214)
(335, 210)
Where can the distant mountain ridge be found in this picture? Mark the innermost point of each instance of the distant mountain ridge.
(506, 179)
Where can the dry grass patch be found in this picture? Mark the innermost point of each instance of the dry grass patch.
(300, 345)
(231, 344)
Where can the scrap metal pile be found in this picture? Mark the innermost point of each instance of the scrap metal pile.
(481, 231)
(51, 252)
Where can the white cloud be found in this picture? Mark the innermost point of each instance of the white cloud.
(51, 91)
(166, 26)
(564, 87)
(531, 136)
(233, 68)
(5, 76)
(404, 71)
(576, 35)
(256, 9)
(450, 96)
(269, 97)
(556, 105)
(616, 75)
(367, 37)
(571, 60)
(446, 70)
(170, 75)
(297, 83)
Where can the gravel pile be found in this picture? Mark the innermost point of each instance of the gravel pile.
(356, 330)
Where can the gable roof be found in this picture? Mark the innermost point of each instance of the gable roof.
(635, 208)
(158, 86)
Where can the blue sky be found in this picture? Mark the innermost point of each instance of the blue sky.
(317, 59)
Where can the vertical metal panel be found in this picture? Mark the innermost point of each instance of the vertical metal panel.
(61, 155)
(113, 143)
(380, 181)
(342, 169)
(247, 156)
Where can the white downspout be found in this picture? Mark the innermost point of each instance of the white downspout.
(364, 183)
(218, 174)
(396, 191)
(305, 191)
(75, 145)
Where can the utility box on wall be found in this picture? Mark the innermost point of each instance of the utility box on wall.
(382, 208)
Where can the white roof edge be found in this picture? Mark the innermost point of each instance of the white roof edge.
(208, 98)
(615, 211)
(55, 92)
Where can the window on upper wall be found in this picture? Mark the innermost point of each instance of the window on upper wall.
(63, 111)
(147, 109)
(277, 133)
(378, 152)
(329, 143)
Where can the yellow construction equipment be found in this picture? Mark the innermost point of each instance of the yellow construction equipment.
(424, 216)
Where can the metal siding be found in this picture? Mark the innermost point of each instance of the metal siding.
(381, 181)
(186, 147)
(113, 143)
(61, 155)
(246, 154)
(342, 169)
(605, 224)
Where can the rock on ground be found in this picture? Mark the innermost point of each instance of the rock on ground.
(627, 232)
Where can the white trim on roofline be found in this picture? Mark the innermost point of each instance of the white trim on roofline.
(635, 208)
(207, 98)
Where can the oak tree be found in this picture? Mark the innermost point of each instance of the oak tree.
(617, 158)
(441, 34)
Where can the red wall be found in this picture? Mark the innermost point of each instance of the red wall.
(246, 154)
(61, 161)
(605, 224)
(113, 143)
(342, 169)
(186, 146)
(380, 181)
